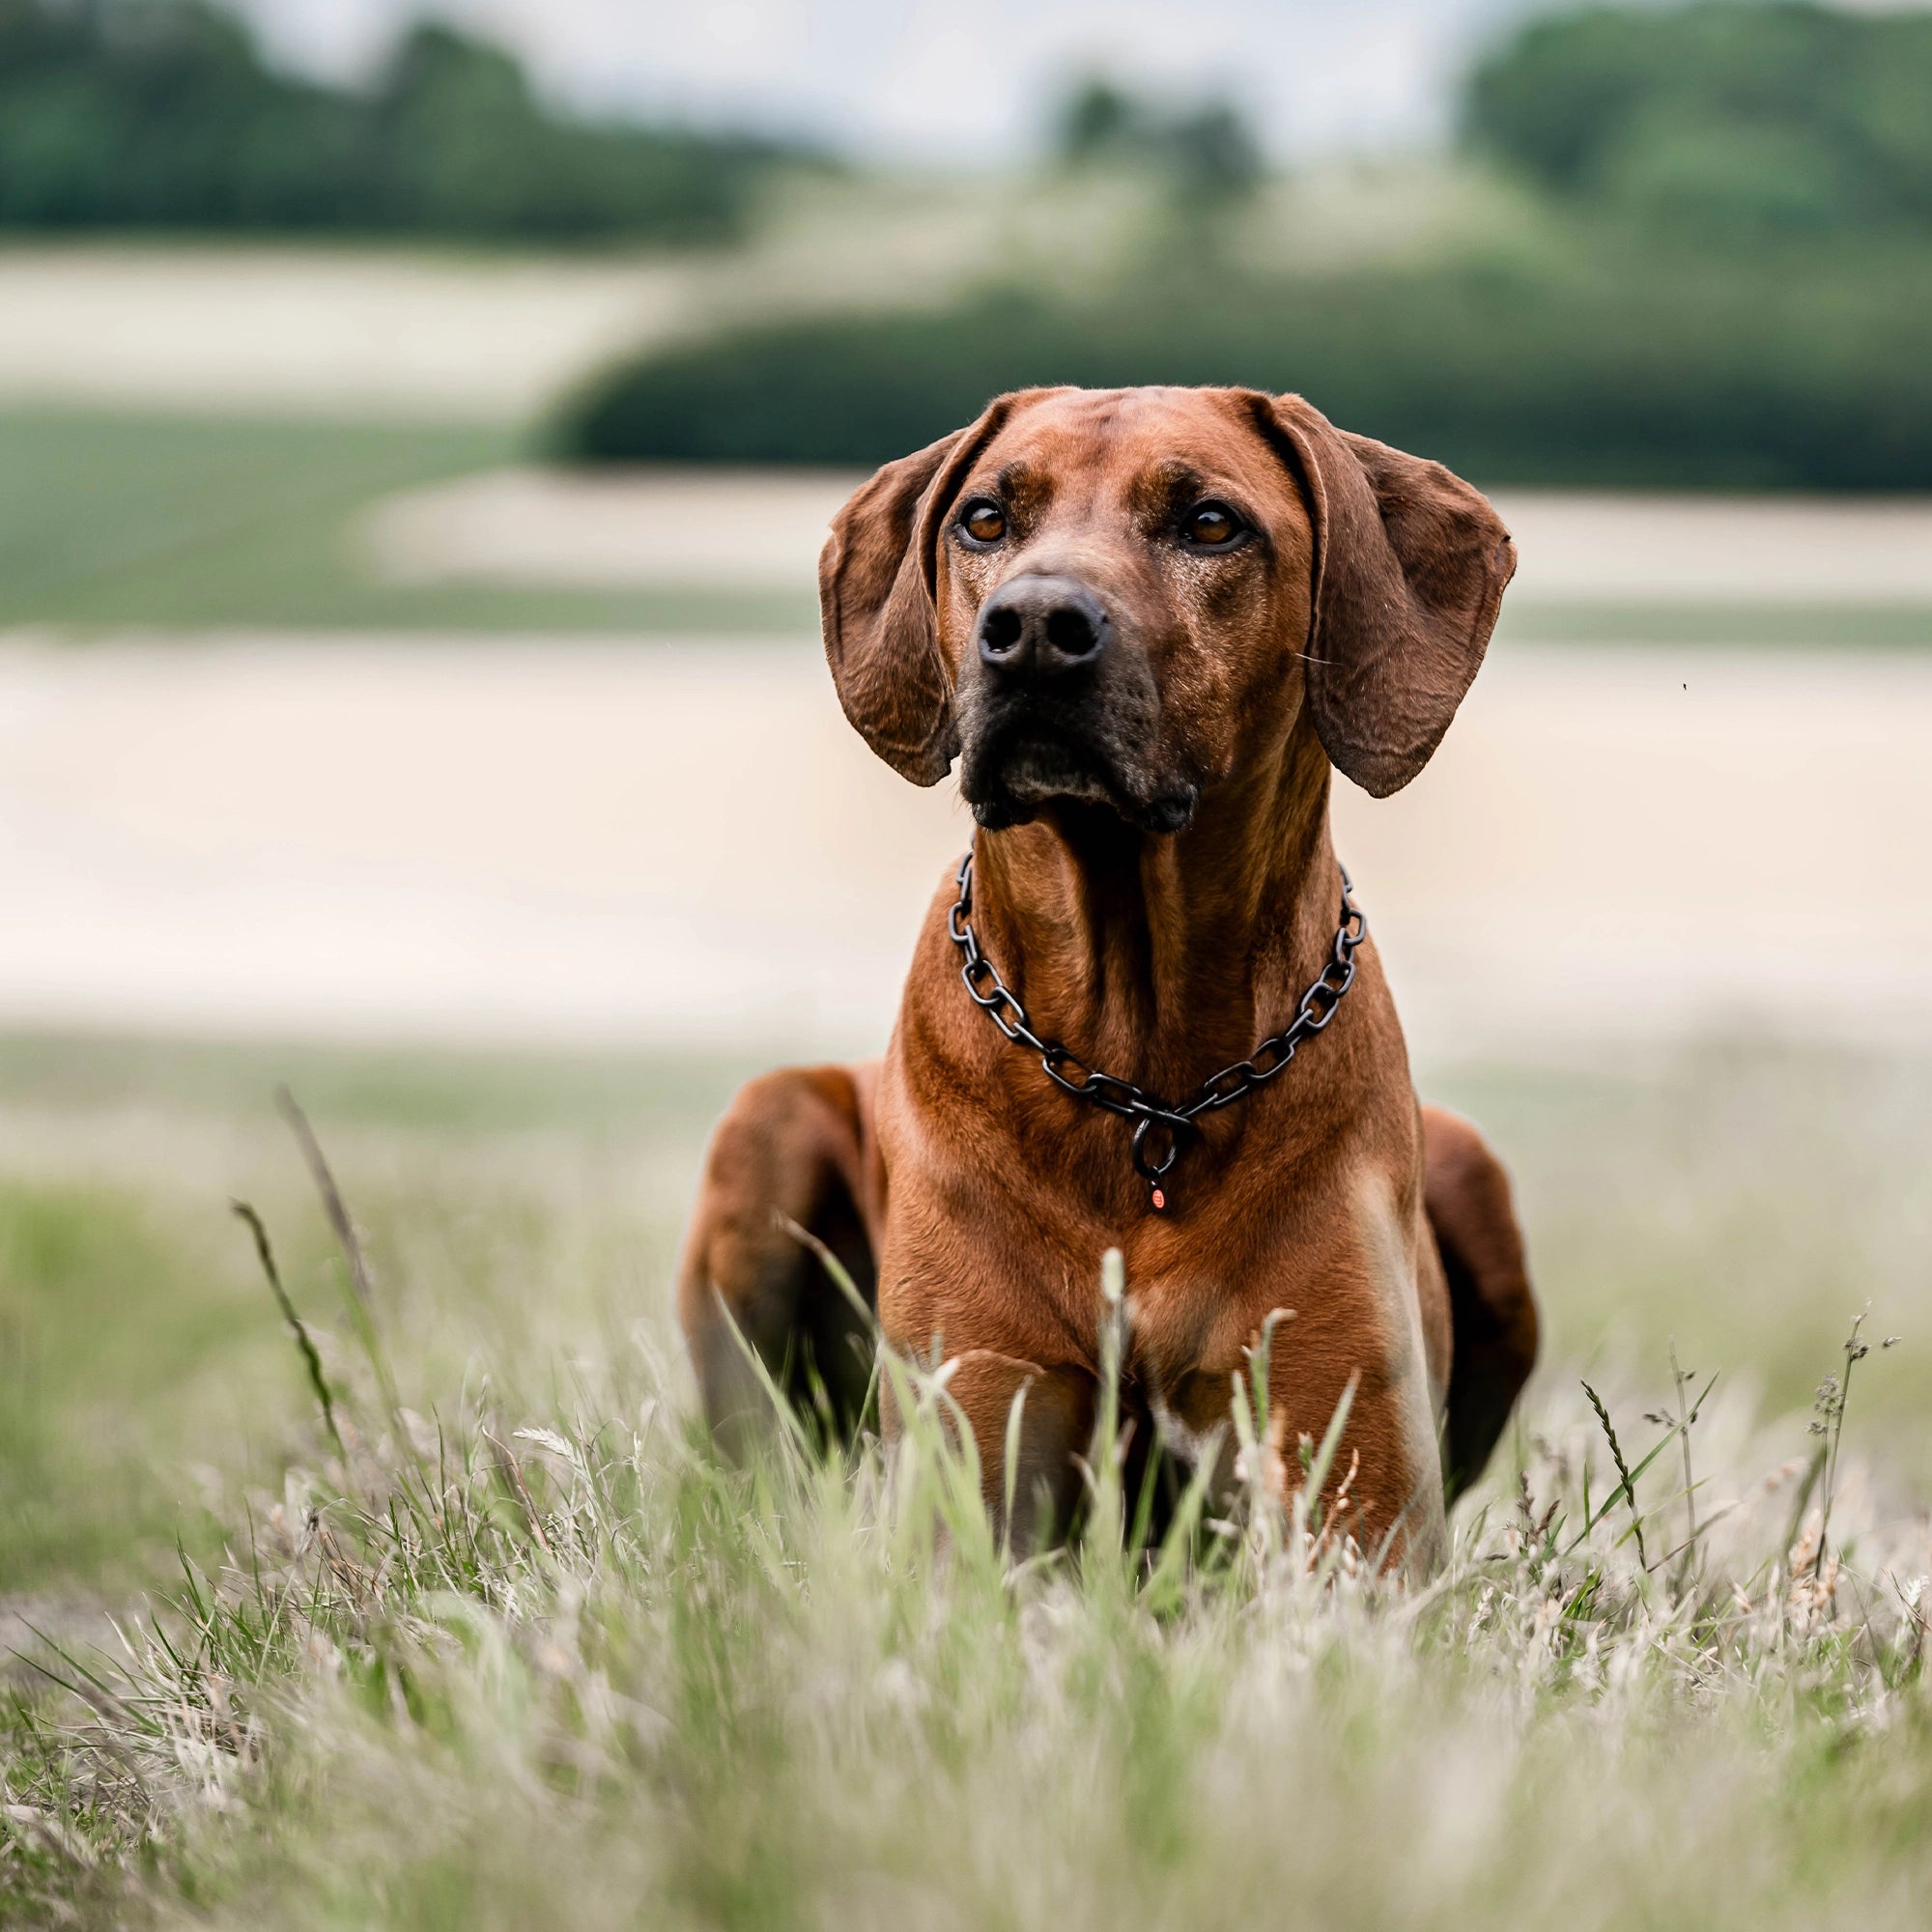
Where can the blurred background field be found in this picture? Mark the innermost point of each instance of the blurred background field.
(414, 452)
(416, 438)
(340, 704)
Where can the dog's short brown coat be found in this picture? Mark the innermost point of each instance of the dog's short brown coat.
(970, 1196)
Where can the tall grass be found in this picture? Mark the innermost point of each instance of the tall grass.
(521, 1651)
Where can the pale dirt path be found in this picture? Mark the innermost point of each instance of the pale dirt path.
(306, 331)
(654, 844)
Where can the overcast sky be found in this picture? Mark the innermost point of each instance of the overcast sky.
(965, 78)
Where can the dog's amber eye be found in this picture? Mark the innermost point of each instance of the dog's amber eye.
(984, 521)
(1213, 525)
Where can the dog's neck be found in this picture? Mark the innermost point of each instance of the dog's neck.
(1162, 958)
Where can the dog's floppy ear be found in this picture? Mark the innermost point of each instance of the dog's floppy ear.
(1409, 567)
(876, 577)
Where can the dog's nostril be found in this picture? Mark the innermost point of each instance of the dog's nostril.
(999, 631)
(1071, 632)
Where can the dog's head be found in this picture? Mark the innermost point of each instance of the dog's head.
(1126, 595)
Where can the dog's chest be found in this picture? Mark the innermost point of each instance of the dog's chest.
(1337, 1275)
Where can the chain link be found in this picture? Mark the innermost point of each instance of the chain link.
(1160, 1131)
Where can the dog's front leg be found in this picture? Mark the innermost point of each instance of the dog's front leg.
(1052, 1411)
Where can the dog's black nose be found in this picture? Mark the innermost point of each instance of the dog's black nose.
(1036, 628)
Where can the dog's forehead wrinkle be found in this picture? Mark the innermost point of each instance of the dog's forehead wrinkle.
(1165, 480)
(1124, 429)
(1024, 485)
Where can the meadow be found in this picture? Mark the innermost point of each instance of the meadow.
(114, 521)
(422, 1603)
(362, 1561)
(494, 1641)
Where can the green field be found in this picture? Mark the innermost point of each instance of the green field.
(114, 522)
(1787, 624)
(452, 1674)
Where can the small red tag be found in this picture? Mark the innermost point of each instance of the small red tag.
(1159, 1200)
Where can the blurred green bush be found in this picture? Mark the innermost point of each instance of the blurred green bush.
(161, 114)
(1730, 285)
(1637, 366)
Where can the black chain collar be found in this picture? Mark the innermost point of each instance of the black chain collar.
(1155, 1122)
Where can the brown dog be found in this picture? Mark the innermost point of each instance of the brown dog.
(1145, 622)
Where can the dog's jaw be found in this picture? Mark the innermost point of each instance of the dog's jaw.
(1021, 756)
(1010, 780)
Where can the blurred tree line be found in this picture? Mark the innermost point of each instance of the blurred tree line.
(162, 114)
(1207, 150)
(1731, 285)
(1736, 122)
